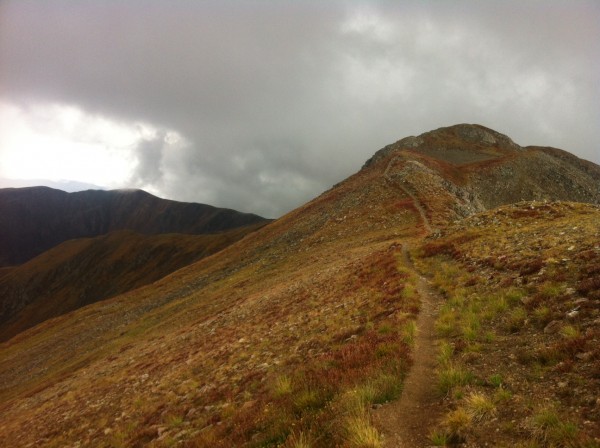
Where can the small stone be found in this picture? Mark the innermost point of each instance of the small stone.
(552, 327)
(107, 431)
(584, 356)
(526, 300)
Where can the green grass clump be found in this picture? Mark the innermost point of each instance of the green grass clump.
(499, 304)
(450, 377)
(446, 324)
(550, 290)
(439, 438)
(550, 429)
(307, 400)
(386, 328)
(516, 319)
(446, 352)
(513, 296)
(387, 388)
(542, 315)
(570, 332)
(495, 380)
(409, 333)
(501, 395)
(409, 291)
(174, 421)
(282, 386)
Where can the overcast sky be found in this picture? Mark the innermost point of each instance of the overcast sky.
(262, 105)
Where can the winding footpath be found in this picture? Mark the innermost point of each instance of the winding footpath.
(417, 203)
(407, 422)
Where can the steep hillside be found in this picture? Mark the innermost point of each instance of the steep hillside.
(32, 220)
(83, 271)
(294, 334)
(309, 298)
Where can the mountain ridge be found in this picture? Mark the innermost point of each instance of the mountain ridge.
(295, 333)
(34, 219)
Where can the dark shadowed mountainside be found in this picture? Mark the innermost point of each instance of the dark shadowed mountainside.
(85, 270)
(34, 219)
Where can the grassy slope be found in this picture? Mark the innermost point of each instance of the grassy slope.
(519, 359)
(313, 301)
(83, 271)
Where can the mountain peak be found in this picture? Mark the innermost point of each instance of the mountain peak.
(467, 168)
(472, 133)
(466, 138)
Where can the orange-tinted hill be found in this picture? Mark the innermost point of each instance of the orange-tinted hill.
(462, 169)
(83, 271)
(290, 336)
(34, 219)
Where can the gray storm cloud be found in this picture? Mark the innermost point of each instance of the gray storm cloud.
(277, 101)
(149, 156)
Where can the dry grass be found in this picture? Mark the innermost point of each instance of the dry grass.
(362, 434)
(479, 406)
(504, 286)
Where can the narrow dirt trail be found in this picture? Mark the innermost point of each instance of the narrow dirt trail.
(408, 421)
(408, 192)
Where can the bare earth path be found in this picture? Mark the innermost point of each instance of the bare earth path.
(407, 422)
(408, 192)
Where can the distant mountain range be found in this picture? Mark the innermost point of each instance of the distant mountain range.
(35, 219)
(69, 186)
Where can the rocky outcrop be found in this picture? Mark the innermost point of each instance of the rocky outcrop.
(464, 169)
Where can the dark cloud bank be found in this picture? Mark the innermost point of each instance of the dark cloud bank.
(277, 101)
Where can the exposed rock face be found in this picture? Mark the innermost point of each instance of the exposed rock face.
(32, 220)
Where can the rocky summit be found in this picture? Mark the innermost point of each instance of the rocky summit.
(446, 294)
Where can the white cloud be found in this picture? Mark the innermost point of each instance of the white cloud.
(58, 141)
